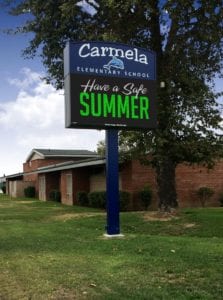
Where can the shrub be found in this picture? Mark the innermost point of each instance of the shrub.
(124, 198)
(30, 192)
(55, 195)
(204, 193)
(97, 199)
(82, 198)
(4, 189)
(221, 199)
(146, 197)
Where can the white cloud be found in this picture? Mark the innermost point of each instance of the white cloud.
(36, 120)
(29, 79)
(87, 7)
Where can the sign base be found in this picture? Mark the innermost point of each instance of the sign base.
(110, 236)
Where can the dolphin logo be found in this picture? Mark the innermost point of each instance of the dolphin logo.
(115, 63)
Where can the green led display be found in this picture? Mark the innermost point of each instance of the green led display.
(114, 105)
(103, 102)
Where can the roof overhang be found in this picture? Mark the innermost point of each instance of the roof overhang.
(32, 153)
(61, 167)
(17, 176)
(61, 155)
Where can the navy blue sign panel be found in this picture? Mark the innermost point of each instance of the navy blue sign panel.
(109, 60)
(109, 85)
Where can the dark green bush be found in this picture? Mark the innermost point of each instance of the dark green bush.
(55, 195)
(97, 199)
(30, 192)
(82, 198)
(124, 198)
(221, 199)
(204, 193)
(146, 196)
(4, 189)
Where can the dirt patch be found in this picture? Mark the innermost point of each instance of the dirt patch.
(189, 225)
(24, 202)
(172, 279)
(158, 216)
(65, 294)
(66, 217)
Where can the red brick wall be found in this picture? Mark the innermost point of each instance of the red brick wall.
(126, 180)
(37, 163)
(142, 176)
(134, 177)
(32, 177)
(126, 177)
(80, 179)
(190, 178)
(52, 183)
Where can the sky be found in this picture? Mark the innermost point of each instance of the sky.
(31, 112)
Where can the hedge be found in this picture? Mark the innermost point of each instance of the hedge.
(4, 189)
(145, 196)
(30, 192)
(82, 198)
(55, 195)
(98, 199)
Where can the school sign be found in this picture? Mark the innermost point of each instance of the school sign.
(109, 85)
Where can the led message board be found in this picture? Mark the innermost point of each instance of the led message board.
(109, 85)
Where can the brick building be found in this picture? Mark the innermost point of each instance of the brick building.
(37, 159)
(70, 171)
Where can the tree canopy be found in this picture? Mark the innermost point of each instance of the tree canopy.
(187, 36)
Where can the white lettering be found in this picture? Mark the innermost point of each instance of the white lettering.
(81, 49)
(130, 88)
(95, 52)
(104, 50)
(129, 54)
(116, 52)
(143, 59)
(86, 50)
(94, 86)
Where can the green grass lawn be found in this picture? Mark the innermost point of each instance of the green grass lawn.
(51, 251)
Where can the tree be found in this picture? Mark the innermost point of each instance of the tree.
(187, 36)
(101, 148)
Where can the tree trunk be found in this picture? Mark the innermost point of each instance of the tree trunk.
(166, 185)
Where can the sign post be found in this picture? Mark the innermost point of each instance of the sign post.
(110, 86)
(112, 182)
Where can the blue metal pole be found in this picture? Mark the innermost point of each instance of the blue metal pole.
(112, 182)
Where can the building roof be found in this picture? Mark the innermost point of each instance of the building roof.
(46, 153)
(17, 176)
(61, 166)
(72, 165)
